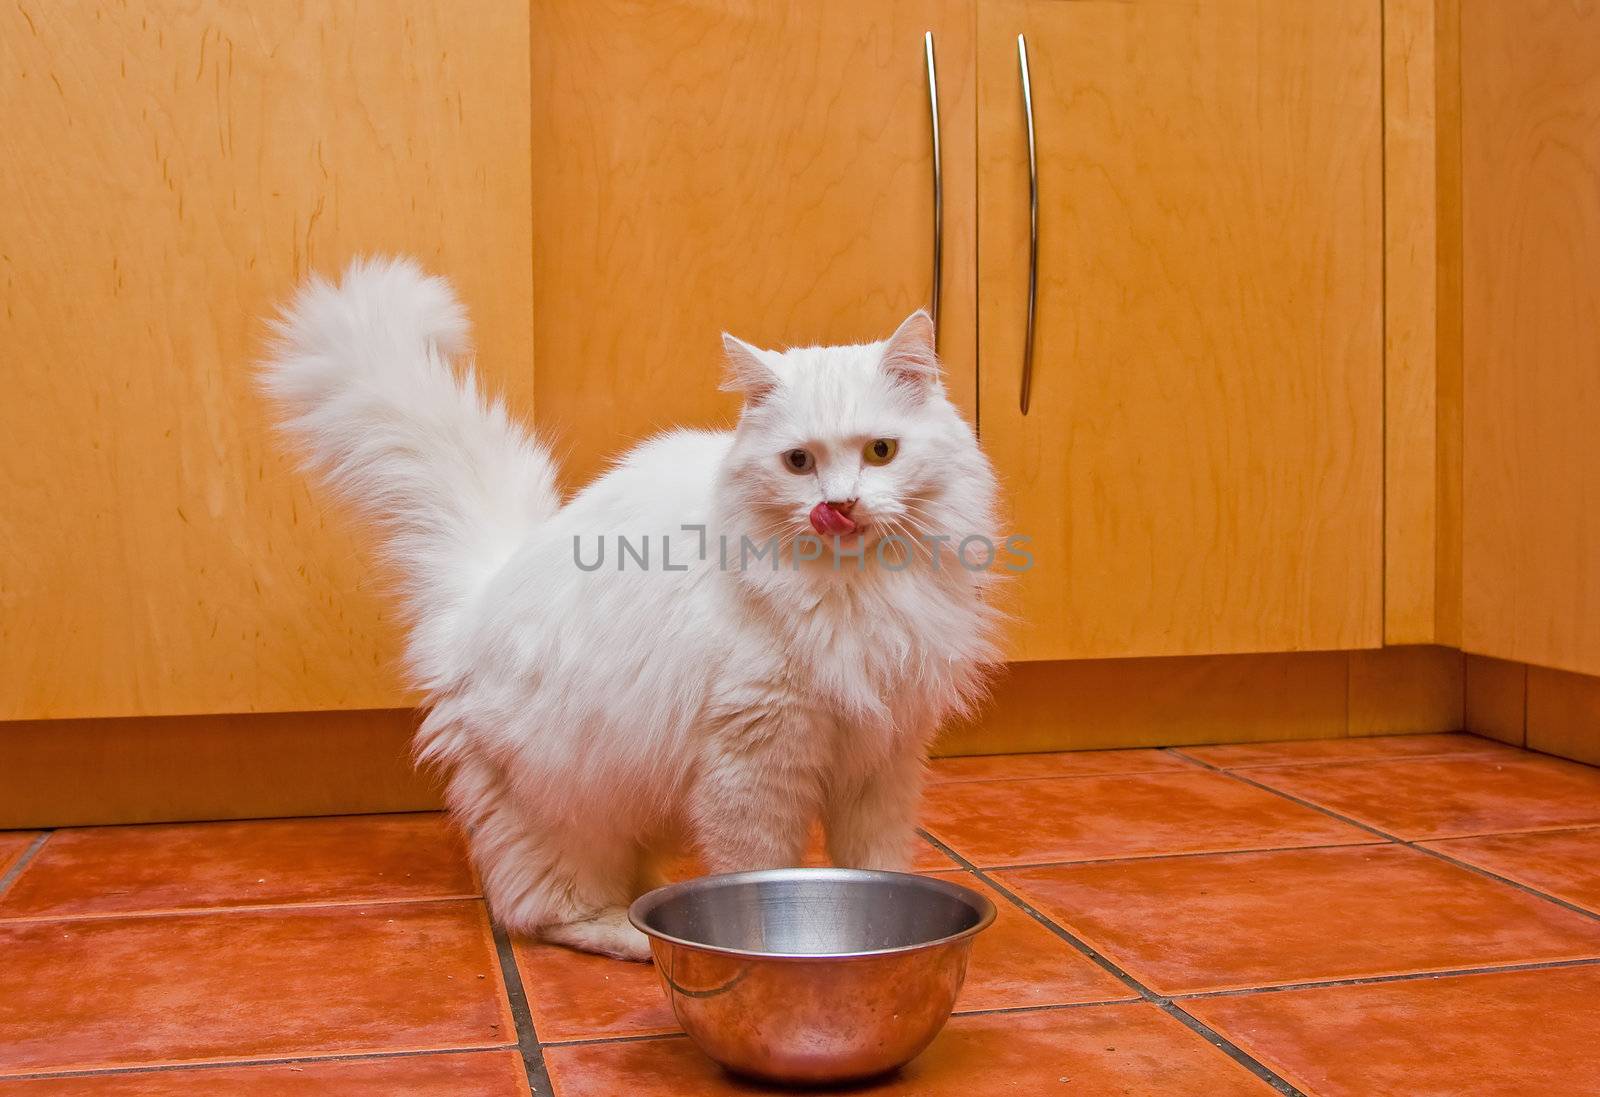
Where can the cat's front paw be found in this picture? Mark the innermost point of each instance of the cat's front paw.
(608, 933)
(631, 945)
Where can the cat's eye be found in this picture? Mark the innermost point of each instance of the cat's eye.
(799, 460)
(880, 451)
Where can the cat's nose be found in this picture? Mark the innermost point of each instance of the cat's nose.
(843, 506)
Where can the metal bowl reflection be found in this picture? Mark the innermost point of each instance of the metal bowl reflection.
(812, 975)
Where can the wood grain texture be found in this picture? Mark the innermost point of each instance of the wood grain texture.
(1405, 691)
(1447, 303)
(1564, 714)
(1202, 468)
(1531, 313)
(759, 167)
(1101, 703)
(171, 171)
(57, 773)
(1422, 366)
(1411, 444)
(1497, 699)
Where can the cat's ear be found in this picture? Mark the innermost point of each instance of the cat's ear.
(908, 356)
(748, 371)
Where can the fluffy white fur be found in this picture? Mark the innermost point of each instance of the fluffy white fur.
(589, 720)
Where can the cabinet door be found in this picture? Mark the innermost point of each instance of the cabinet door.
(1201, 466)
(745, 165)
(170, 171)
(1531, 312)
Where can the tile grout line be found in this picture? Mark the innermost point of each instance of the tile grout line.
(1525, 832)
(626, 1038)
(527, 1036)
(1406, 843)
(1488, 750)
(234, 908)
(945, 782)
(1491, 750)
(229, 1064)
(22, 862)
(1387, 837)
(1374, 980)
(1508, 881)
(1181, 752)
(1172, 1009)
(1138, 857)
(1319, 763)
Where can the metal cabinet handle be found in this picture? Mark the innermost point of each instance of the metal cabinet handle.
(938, 187)
(1033, 222)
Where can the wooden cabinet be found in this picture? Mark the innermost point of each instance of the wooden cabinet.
(171, 170)
(1201, 468)
(612, 183)
(670, 170)
(743, 165)
(1531, 332)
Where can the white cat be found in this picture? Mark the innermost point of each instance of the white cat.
(588, 716)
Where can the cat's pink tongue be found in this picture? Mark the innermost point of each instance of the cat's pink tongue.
(830, 522)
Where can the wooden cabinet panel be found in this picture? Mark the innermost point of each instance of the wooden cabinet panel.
(753, 166)
(1201, 469)
(170, 171)
(1422, 321)
(1531, 332)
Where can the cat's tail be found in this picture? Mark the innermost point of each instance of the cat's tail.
(362, 373)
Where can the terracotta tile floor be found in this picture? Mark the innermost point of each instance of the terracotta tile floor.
(1409, 915)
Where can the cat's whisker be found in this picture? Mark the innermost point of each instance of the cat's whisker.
(914, 508)
(898, 527)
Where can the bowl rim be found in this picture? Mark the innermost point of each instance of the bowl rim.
(641, 907)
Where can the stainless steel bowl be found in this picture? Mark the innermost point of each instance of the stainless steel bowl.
(812, 975)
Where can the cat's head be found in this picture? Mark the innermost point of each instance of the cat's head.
(859, 441)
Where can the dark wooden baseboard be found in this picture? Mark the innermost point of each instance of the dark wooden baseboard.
(152, 769)
(1553, 711)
